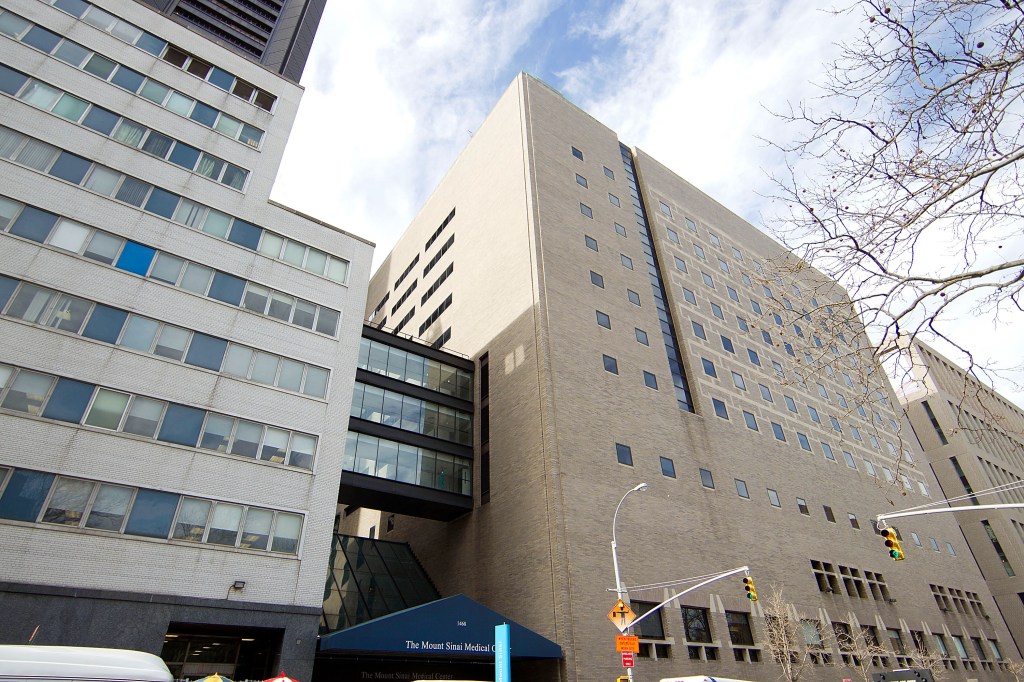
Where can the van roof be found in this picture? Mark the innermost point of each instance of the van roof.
(82, 663)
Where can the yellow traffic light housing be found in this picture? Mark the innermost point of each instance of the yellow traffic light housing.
(892, 542)
(748, 585)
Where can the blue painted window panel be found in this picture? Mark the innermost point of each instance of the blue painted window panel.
(162, 202)
(136, 258)
(150, 43)
(204, 114)
(105, 324)
(101, 120)
(227, 288)
(222, 79)
(68, 401)
(34, 224)
(152, 514)
(41, 39)
(184, 156)
(181, 425)
(128, 79)
(23, 498)
(10, 80)
(7, 287)
(206, 351)
(70, 167)
(245, 234)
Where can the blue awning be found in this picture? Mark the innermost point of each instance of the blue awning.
(455, 626)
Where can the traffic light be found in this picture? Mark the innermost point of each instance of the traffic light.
(893, 543)
(748, 585)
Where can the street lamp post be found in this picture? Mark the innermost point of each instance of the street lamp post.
(619, 591)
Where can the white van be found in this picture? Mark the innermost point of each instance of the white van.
(699, 678)
(26, 663)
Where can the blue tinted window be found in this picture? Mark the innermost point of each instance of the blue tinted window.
(162, 202)
(152, 514)
(245, 234)
(24, 495)
(70, 167)
(75, 7)
(10, 80)
(128, 79)
(204, 114)
(69, 400)
(206, 351)
(136, 258)
(7, 287)
(34, 224)
(151, 44)
(222, 79)
(184, 156)
(101, 120)
(227, 288)
(105, 324)
(41, 39)
(181, 425)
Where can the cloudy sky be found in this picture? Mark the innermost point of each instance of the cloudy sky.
(394, 89)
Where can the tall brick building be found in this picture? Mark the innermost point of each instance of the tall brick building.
(628, 329)
(177, 348)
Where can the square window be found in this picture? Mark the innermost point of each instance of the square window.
(634, 297)
(741, 489)
(727, 344)
(689, 296)
(603, 320)
(773, 498)
(650, 381)
(596, 279)
(623, 454)
(709, 368)
(581, 181)
(610, 364)
(750, 420)
(577, 153)
(626, 261)
(590, 242)
(779, 433)
(668, 467)
(586, 210)
(641, 336)
(698, 330)
(706, 479)
(720, 409)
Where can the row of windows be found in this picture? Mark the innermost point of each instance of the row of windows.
(133, 35)
(93, 63)
(46, 158)
(126, 131)
(48, 228)
(380, 358)
(39, 497)
(384, 458)
(79, 402)
(411, 414)
(79, 316)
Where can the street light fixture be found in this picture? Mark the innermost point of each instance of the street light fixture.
(615, 555)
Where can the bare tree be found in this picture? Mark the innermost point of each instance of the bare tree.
(783, 635)
(905, 184)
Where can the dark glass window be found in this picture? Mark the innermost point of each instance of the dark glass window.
(136, 258)
(206, 351)
(41, 39)
(696, 625)
(162, 202)
(34, 224)
(101, 120)
(68, 401)
(227, 288)
(23, 497)
(739, 628)
(181, 425)
(128, 79)
(70, 167)
(105, 324)
(204, 114)
(245, 234)
(152, 514)
(623, 454)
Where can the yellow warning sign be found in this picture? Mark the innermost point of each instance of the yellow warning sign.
(621, 615)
